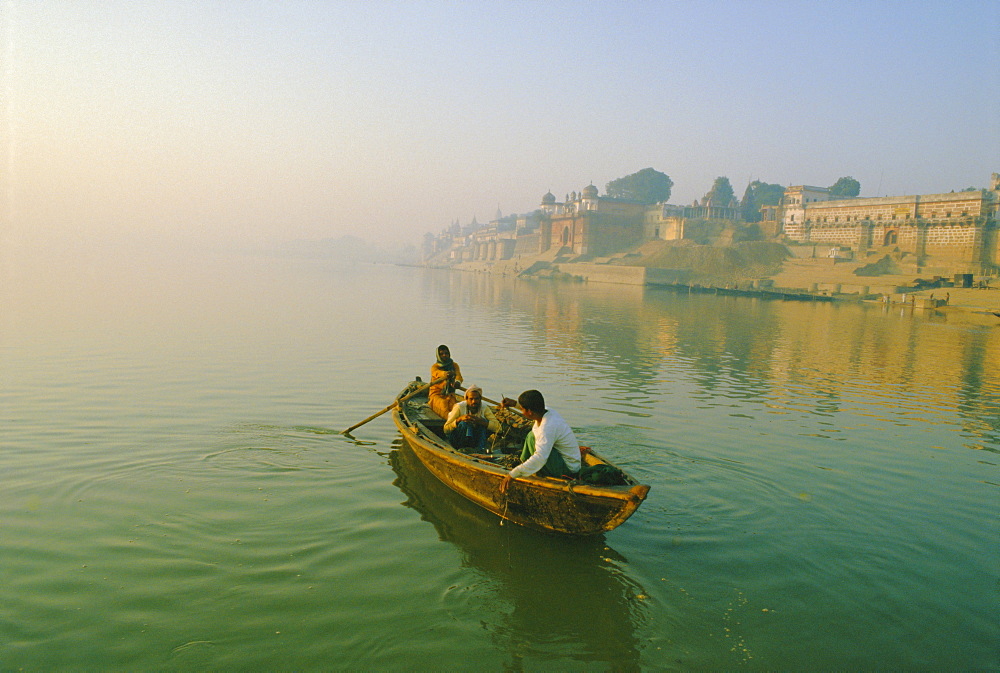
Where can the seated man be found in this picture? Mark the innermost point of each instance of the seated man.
(471, 422)
(550, 449)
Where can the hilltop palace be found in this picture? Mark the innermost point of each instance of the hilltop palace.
(957, 230)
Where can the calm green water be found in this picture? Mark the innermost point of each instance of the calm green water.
(177, 496)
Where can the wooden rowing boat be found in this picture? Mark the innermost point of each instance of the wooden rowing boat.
(544, 503)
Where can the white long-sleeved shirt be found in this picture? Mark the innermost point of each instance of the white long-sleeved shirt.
(551, 433)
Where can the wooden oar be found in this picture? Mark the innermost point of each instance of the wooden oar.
(392, 406)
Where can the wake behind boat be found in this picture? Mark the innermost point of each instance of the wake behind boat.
(545, 503)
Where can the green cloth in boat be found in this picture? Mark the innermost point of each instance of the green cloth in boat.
(602, 474)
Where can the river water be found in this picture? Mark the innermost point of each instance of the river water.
(177, 496)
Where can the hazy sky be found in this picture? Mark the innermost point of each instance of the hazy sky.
(257, 121)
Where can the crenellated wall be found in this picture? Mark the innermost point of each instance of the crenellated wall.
(955, 227)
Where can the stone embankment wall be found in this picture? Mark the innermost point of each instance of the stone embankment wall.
(624, 275)
(960, 240)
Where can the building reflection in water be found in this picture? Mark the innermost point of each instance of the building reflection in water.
(790, 356)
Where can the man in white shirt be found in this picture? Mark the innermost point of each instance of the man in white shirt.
(550, 449)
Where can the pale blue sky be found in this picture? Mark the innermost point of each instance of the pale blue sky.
(256, 121)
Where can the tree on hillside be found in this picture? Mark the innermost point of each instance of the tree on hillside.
(721, 192)
(759, 194)
(647, 186)
(846, 187)
(430, 244)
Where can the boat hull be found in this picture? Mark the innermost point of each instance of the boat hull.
(555, 505)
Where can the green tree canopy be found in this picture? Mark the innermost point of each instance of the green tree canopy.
(721, 192)
(846, 187)
(760, 194)
(647, 186)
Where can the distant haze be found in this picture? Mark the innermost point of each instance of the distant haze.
(255, 124)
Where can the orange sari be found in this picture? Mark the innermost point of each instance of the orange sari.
(441, 396)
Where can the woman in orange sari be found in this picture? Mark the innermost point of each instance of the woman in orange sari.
(441, 396)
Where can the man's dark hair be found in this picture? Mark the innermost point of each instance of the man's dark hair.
(532, 400)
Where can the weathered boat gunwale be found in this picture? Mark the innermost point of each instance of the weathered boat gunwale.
(552, 505)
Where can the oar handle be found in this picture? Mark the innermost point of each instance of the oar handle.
(378, 413)
(395, 404)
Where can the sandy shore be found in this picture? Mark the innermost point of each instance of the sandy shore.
(804, 273)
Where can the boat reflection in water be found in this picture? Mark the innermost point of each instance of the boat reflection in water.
(556, 596)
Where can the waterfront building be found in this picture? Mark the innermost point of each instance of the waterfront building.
(711, 209)
(956, 229)
(663, 222)
(942, 233)
(592, 225)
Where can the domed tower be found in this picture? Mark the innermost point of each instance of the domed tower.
(588, 198)
(548, 203)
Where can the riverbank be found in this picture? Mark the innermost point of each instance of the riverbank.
(822, 279)
(895, 288)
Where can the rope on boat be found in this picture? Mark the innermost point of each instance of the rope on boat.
(506, 502)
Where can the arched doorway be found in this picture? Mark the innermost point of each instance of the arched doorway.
(566, 236)
(891, 237)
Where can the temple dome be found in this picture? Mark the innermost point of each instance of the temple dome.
(589, 192)
(548, 198)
